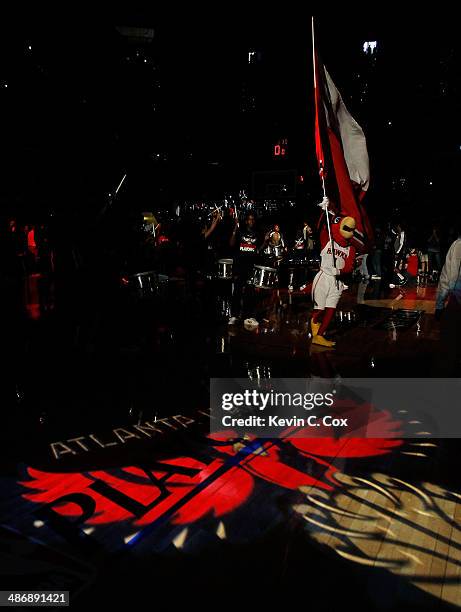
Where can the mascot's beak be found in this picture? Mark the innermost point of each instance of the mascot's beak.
(347, 227)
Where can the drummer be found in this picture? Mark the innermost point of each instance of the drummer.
(308, 234)
(274, 244)
(245, 241)
(198, 257)
(304, 241)
(208, 245)
(303, 250)
(209, 226)
(247, 246)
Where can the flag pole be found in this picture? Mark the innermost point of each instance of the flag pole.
(327, 215)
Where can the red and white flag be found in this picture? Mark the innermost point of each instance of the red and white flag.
(341, 153)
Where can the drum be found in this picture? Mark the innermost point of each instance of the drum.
(294, 278)
(162, 286)
(296, 258)
(264, 277)
(223, 308)
(295, 274)
(346, 317)
(268, 250)
(145, 284)
(225, 268)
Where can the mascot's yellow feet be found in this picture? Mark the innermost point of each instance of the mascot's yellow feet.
(315, 328)
(321, 341)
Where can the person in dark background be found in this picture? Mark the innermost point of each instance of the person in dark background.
(225, 229)
(274, 244)
(433, 251)
(245, 239)
(304, 244)
(308, 236)
(388, 260)
(32, 247)
(376, 254)
(303, 249)
(400, 246)
(448, 312)
(412, 264)
(299, 246)
(209, 227)
(194, 250)
(423, 258)
(246, 245)
(43, 249)
(204, 250)
(13, 231)
(140, 246)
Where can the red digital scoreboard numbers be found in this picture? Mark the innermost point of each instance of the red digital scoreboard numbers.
(280, 148)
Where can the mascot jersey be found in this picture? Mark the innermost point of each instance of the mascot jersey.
(327, 286)
(344, 255)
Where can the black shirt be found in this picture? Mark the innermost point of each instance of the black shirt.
(246, 242)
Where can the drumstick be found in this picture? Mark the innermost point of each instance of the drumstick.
(236, 214)
(216, 209)
(120, 184)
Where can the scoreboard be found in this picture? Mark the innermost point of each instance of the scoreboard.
(280, 148)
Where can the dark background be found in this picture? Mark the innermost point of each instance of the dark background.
(187, 116)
